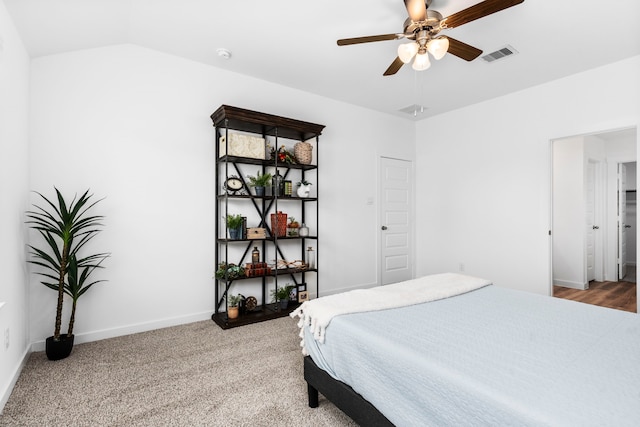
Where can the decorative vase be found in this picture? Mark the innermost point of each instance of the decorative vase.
(277, 185)
(279, 224)
(60, 349)
(303, 190)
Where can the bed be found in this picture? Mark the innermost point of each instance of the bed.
(475, 354)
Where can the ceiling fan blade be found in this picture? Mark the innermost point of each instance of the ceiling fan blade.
(394, 67)
(478, 11)
(369, 39)
(417, 9)
(463, 50)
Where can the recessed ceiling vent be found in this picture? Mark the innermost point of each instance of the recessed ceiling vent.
(414, 109)
(500, 54)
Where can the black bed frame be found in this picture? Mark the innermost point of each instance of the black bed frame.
(343, 396)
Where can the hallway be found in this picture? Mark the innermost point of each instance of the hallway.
(619, 295)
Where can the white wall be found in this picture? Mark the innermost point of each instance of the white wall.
(133, 125)
(485, 186)
(14, 93)
(568, 210)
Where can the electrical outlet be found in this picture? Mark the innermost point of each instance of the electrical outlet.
(6, 339)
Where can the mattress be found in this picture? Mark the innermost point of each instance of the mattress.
(492, 356)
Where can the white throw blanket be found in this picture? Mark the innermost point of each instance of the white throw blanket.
(317, 313)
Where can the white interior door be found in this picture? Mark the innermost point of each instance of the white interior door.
(396, 228)
(622, 221)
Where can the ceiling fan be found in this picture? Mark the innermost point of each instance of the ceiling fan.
(423, 26)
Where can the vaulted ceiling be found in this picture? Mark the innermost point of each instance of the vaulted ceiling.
(293, 43)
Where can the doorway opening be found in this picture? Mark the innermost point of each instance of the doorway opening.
(594, 230)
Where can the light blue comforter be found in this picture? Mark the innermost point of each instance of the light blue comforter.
(494, 357)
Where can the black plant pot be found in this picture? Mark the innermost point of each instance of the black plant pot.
(57, 350)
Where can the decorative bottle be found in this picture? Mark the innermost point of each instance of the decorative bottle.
(255, 255)
(277, 185)
(311, 258)
(303, 231)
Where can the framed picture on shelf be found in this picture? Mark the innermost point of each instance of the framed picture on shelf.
(303, 296)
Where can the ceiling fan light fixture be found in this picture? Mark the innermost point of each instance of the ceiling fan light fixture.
(438, 47)
(421, 62)
(406, 51)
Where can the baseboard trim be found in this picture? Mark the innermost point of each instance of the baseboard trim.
(570, 284)
(6, 393)
(130, 329)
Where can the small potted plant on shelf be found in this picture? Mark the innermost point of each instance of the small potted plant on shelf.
(233, 306)
(230, 271)
(304, 188)
(234, 225)
(260, 181)
(282, 295)
(292, 227)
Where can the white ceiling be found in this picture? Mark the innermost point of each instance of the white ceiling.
(293, 42)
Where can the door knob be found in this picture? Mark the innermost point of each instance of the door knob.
(384, 227)
(595, 227)
(627, 226)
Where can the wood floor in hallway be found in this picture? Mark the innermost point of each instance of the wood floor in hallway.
(619, 295)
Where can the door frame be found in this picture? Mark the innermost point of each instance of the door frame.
(610, 159)
(412, 216)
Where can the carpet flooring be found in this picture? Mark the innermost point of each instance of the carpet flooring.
(189, 375)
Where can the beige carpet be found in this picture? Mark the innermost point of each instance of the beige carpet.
(189, 375)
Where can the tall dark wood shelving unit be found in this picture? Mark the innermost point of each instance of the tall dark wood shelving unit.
(225, 119)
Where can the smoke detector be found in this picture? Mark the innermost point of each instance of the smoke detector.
(224, 53)
(414, 109)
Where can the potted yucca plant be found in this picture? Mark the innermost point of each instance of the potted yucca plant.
(65, 228)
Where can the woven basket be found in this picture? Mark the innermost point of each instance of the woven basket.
(302, 151)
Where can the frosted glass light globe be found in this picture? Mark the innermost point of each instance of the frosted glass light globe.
(421, 62)
(407, 51)
(438, 47)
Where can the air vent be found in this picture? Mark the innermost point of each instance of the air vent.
(414, 109)
(500, 54)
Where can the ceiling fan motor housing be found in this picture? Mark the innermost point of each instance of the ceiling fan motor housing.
(431, 24)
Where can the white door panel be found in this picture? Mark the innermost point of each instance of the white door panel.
(396, 180)
(622, 221)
